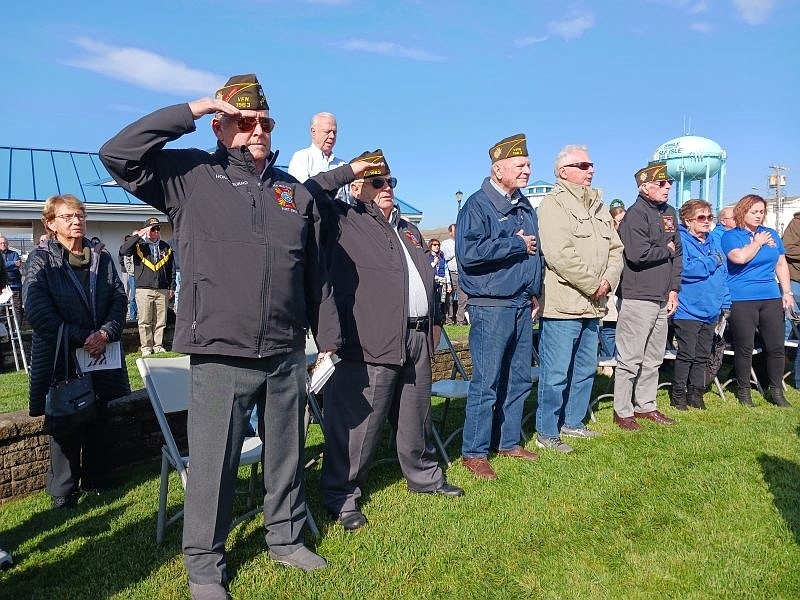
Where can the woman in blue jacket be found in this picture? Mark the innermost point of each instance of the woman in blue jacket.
(700, 300)
(755, 257)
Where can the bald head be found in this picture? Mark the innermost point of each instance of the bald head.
(725, 218)
(323, 132)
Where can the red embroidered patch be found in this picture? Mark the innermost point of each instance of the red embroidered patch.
(285, 197)
(412, 239)
(669, 223)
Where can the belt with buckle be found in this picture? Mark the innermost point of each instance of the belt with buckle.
(418, 323)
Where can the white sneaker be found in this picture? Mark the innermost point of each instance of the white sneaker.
(146, 351)
(158, 349)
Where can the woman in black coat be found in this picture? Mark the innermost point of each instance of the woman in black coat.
(68, 280)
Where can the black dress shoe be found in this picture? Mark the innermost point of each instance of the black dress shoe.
(64, 501)
(446, 489)
(449, 490)
(352, 520)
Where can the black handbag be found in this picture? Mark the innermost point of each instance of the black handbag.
(70, 402)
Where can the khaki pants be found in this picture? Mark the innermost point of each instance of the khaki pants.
(152, 307)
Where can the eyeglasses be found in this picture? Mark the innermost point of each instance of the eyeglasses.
(379, 182)
(155, 228)
(583, 166)
(434, 245)
(72, 217)
(246, 124)
(702, 218)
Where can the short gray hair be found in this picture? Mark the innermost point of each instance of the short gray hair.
(321, 115)
(561, 157)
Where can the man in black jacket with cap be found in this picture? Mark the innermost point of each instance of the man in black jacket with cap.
(244, 314)
(154, 274)
(384, 289)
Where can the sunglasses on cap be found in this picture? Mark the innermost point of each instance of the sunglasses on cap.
(246, 124)
(379, 182)
(583, 166)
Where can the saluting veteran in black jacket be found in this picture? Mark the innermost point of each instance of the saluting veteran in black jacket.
(384, 289)
(69, 281)
(248, 242)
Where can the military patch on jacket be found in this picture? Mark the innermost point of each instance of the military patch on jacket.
(413, 240)
(285, 197)
(669, 223)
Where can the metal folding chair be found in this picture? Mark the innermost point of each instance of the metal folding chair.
(168, 384)
(449, 390)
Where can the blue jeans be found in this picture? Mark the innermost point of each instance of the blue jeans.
(796, 292)
(568, 349)
(608, 339)
(501, 346)
(133, 314)
(177, 291)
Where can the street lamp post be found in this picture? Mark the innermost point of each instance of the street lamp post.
(459, 198)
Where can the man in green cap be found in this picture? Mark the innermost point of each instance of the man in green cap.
(651, 279)
(383, 285)
(244, 318)
(500, 270)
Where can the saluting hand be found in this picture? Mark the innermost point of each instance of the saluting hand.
(209, 106)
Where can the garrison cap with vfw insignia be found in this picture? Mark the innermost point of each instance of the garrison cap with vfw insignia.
(508, 148)
(244, 92)
(375, 157)
(652, 172)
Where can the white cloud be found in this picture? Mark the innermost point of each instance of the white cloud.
(700, 27)
(390, 49)
(530, 40)
(572, 26)
(754, 12)
(145, 69)
(692, 7)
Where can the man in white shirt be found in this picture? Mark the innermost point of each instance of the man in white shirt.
(318, 157)
(456, 299)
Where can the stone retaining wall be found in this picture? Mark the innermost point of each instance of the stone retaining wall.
(133, 434)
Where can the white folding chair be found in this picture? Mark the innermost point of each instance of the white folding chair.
(448, 389)
(168, 384)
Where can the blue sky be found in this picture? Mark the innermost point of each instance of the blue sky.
(434, 84)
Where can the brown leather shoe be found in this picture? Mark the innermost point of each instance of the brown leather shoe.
(479, 467)
(654, 416)
(519, 452)
(628, 423)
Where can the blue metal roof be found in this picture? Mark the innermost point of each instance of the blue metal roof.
(30, 174)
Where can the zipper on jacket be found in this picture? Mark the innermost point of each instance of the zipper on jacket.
(194, 312)
(262, 326)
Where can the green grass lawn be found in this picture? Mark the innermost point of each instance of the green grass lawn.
(709, 508)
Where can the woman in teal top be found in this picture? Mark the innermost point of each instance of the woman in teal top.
(755, 257)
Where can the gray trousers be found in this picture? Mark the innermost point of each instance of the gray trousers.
(358, 400)
(224, 389)
(641, 341)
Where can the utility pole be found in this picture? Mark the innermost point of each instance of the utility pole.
(777, 180)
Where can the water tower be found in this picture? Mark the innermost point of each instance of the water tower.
(693, 158)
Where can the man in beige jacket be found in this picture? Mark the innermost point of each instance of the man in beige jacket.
(583, 254)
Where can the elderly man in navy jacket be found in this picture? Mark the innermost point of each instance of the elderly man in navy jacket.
(500, 270)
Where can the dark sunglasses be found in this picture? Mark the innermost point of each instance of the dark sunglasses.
(246, 124)
(156, 228)
(703, 218)
(663, 182)
(379, 182)
(583, 166)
